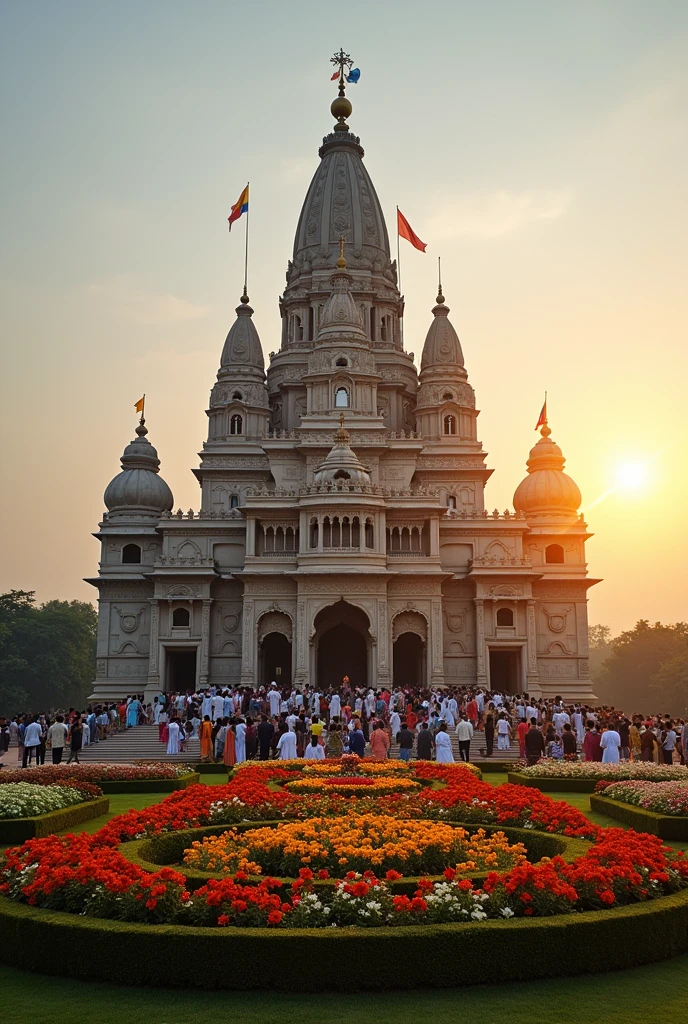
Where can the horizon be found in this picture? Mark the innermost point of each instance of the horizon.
(541, 153)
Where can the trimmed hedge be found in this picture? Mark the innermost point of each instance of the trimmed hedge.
(68, 945)
(167, 850)
(211, 768)
(667, 826)
(150, 785)
(17, 830)
(546, 785)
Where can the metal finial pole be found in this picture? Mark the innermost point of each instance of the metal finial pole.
(439, 274)
(248, 213)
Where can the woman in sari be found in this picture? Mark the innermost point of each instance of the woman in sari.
(229, 757)
(206, 737)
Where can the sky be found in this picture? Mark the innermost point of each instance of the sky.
(540, 148)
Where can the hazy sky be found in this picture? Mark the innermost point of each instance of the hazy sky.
(541, 148)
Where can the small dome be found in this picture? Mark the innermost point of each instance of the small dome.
(341, 463)
(442, 346)
(242, 346)
(139, 489)
(547, 490)
(340, 316)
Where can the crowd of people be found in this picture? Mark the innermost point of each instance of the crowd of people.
(236, 724)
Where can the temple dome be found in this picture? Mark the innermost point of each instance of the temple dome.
(442, 346)
(242, 347)
(341, 463)
(139, 489)
(547, 490)
(340, 316)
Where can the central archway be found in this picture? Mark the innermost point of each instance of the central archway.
(342, 642)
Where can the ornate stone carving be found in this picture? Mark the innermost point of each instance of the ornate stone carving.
(558, 669)
(409, 622)
(274, 622)
(129, 620)
(182, 590)
(556, 620)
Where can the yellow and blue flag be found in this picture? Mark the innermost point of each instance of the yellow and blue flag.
(241, 206)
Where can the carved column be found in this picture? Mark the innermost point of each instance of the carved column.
(205, 643)
(153, 670)
(533, 681)
(248, 645)
(480, 641)
(383, 644)
(302, 650)
(435, 643)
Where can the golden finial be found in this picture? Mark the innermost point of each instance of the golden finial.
(440, 296)
(341, 436)
(341, 262)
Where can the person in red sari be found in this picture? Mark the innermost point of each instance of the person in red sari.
(230, 746)
(205, 734)
(411, 717)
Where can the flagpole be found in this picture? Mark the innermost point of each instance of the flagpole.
(401, 318)
(248, 213)
(143, 407)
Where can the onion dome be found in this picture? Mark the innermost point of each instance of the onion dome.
(138, 490)
(547, 490)
(242, 347)
(341, 317)
(442, 347)
(341, 462)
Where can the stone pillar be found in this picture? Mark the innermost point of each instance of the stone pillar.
(205, 644)
(153, 666)
(383, 644)
(532, 678)
(435, 643)
(250, 537)
(248, 644)
(434, 538)
(481, 672)
(301, 637)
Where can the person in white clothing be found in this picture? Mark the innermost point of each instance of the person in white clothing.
(274, 700)
(610, 744)
(503, 734)
(173, 737)
(286, 746)
(240, 741)
(314, 751)
(464, 734)
(206, 705)
(443, 745)
(335, 705)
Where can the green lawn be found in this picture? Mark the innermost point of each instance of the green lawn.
(27, 1000)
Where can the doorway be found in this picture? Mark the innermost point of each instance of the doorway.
(180, 670)
(408, 660)
(342, 635)
(276, 660)
(505, 670)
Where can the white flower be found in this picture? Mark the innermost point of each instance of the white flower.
(506, 912)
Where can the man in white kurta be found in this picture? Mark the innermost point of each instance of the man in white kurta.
(335, 705)
(240, 742)
(610, 744)
(274, 700)
(443, 745)
(173, 737)
(314, 751)
(206, 705)
(286, 746)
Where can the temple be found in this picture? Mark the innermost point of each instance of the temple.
(342, 526)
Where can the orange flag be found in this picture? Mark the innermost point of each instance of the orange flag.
(542, 419)
(139, 405)
(406, 231)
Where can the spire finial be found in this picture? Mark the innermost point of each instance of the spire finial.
(142, 429)
(542, 420)
(244, 297)
(341, 107)
(440, 296)
(341, 436)
(341, 262)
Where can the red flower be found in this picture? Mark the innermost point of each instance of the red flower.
(392, 875)
(465, 885)
(275, 916)
(418, 905)
(323, 873)
(450, 874)
(223, 920)
(528, 912)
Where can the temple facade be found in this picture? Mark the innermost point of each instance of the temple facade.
(342, 526)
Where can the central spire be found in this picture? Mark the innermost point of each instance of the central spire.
(341, 107)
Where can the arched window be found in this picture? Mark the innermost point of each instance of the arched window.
(554, 554)
(180, 617)
(237, 396)
(368, 533)
(236, 424)
(131, 554)
(341, 398)
(234, 501)
(449, 425)
(505, 617)
(341, 362)
(451, 501)
(447, 397)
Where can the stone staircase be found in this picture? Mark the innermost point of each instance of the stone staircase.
(141, 744)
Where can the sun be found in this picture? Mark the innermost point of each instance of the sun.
(631, 476)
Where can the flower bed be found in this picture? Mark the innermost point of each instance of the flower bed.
(22, 800)
(353, 785)
(660, 797)
(17, 830)
(357, 843)
(111, 778)
(583, 776)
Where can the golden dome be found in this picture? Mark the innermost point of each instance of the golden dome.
(547, 490)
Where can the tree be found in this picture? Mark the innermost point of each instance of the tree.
(47, 654)
(635, 659)
(671, 684)
(599, 644)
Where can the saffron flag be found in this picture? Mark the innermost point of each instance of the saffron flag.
(543, 416)
(407, 232)
(241, 206)
(139, 405)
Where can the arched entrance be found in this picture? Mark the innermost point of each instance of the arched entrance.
(276, 660)
(342, 645)
(408, 660)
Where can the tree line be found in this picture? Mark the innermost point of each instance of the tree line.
(644, 669)
(47, 653)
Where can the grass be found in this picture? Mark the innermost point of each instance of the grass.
(27, 1000)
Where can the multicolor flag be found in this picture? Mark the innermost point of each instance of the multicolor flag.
(241, 206)
(542, 420)
(140, 404)
(406, 231)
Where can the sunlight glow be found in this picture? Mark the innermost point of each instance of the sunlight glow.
(631, 476)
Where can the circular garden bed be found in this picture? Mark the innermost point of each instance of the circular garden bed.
(457, 871)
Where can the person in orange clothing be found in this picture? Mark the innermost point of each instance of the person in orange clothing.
(411, 717)
(229, 757)
(205, 734)
(521, 731)
(379, 742)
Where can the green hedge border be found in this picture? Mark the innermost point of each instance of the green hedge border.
(666, 826)
(167, 849)
(17, 830)
(546, 785)
(211, 768)
(150, 785)
(51, 942)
